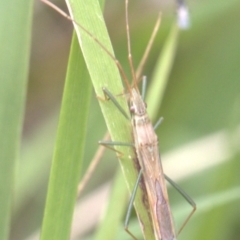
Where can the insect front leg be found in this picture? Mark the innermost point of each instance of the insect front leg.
(109, 96)
(111, 144)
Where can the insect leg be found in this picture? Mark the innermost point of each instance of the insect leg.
(158, 123)
(129, 210)
(110, 96)
(186, 196)
(144, 85)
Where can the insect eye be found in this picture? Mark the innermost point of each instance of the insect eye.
(132, 109)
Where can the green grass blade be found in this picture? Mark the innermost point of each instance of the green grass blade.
(104, 73)
(15, 33)
(115, 211)
(38, 146)
(69, 149)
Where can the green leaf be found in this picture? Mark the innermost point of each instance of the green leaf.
(15, 33)
(104, 73)
(115, 211)
(69, 149)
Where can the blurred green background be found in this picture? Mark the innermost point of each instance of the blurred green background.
(202, 98)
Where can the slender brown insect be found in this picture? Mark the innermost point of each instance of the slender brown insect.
(146, 144)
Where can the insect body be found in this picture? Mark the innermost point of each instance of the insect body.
(146, 143)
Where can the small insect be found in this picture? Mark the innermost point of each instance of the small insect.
(146, 145)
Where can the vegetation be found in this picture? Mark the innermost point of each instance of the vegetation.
(199, 138)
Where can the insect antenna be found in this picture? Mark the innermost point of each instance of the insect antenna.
(148, 48)
(136, 75)
(130, 60)
(120, 68)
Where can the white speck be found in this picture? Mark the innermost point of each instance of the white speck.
(183, 17)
